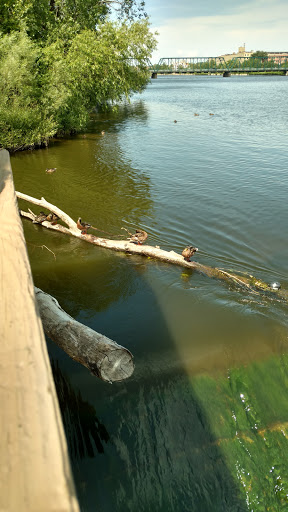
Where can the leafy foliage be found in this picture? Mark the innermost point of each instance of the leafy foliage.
(59, 59)
(41, 17)
(259, 55)
(23, 120)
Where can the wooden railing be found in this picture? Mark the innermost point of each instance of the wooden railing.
(35, 472)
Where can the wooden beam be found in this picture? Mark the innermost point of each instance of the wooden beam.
(35, 472)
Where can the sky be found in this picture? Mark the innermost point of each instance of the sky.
(207, 28)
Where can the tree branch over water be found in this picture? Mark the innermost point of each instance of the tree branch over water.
(246, 281)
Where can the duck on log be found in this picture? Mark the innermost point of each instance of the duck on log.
(129, 246)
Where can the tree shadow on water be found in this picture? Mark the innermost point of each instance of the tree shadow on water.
(162, 454)
(85, 434)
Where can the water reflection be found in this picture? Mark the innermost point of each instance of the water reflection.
(175, 463)
(162, 453)
(114, 281)
(94, 178)
(84, 432)
(116, 119)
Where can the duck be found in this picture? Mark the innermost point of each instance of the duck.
(49, 170)
(83, 226)
(41, 217)
(196, 114)
(139, 237)
(52, 217)
(175, 121)
(188, 252)
(103, 132)
(210, 114)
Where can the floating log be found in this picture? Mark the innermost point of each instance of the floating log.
(247, 281)
(102, 356)
(35, 472)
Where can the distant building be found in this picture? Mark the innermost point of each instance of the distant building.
(278, 57)
(242, 52)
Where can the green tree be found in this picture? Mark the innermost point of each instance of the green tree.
(59, 59)
(24, 121)
(98, 68)
(40, 18)
(259, 55)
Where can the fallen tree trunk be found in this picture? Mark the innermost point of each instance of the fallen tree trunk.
(246, 281)
(102, 356)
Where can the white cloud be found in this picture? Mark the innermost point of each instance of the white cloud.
(261, 24)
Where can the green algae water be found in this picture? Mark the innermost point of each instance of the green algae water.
(202, 424)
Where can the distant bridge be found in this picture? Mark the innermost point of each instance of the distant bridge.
(217, 65)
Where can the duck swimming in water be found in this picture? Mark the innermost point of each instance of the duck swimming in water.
(83, 226)
(188, 252)
(50, 170)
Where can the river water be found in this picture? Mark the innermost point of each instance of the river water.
(202, 424)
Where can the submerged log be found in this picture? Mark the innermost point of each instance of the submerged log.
(102, 356)
(247, 281)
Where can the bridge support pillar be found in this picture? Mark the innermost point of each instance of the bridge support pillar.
(154, 75)
(226, 73)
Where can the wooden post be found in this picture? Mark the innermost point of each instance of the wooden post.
(35, 471)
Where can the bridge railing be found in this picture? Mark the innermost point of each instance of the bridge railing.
(35, 472)
(217, 64)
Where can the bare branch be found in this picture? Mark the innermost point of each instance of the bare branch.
(48, 225)
(42, 247)
(52, 208)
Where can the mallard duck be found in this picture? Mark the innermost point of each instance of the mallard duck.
(52, 217)
(40, 218)
(188, 252)
(50, 170)
(83, 226)
(196, 114)
(175, 121)
(211, 114)
(139, 237)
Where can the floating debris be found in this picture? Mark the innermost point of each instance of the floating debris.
(275, 285)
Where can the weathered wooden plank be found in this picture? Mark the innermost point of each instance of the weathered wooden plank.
(35, 471)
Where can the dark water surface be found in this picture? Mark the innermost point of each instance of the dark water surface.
(202, 424)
